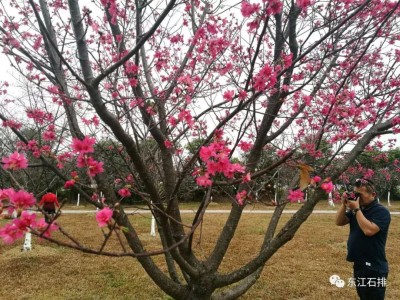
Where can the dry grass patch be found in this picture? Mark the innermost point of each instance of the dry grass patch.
(299, 270)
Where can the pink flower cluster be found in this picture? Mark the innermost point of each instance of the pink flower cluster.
(39, 116)
(265, 79)
(241, 197)
(93, 166)
(274, 7)
(104, 216)
(19, 200)
(69, 184)
(49, 134)
(216, 158)
(12, 124)
(248, 9)
(22, 200)
(16, 229)
(95, 121)
(296, 196)
(185, 115)
(124, 192)
(303, 4)
(83, 148)
(245, 146)
(15, 161)
(327, 186)
(228, 95)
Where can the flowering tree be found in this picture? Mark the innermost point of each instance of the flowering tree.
(316, 83)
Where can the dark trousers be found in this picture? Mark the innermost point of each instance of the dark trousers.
(50, 212)
(371, 285)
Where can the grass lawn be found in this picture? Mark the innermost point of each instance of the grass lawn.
(322, 205)
(299, 270)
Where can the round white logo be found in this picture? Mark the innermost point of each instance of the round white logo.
(335, 280)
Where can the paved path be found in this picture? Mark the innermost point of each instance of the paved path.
(212, 211)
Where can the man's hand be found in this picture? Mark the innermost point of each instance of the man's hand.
(341, 218)
(353, 204)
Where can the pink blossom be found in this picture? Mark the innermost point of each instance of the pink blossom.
(137, 103)
(216, 46)
(274, 7)
(185, 80)
(86, 121)
(242, 95)
(22, 200)
(253, 25)
(327, 186)
(303, 4)
(225, 69)
(26, 220)
(95, 197)
(248, 9)
(246, 178)
(287, 60)
(316, 179)
(295, 195)
(265, 79)
(81, 161)
(129, 178)
(133, 82)
(176, 38)
(212, 28)
(10, 233)
(44, 227)
(245, 146)
(172, 121)
(218, 134)
(95, 121)
(14, 42)
(69, 183)
(230, 169)
(37, 43)
(12, 124)
(49, 135)
(83, 146)
(104, 216)
(203, 181)
(150, 110)
(228, 95)
(39, 116)
(185, 115)
(168, 144)
(6, 194)
(241, 197)
(32, 145)
(15, 161)
(214, 166)
(95, 167)
(216, 157)
(206, 152)
(124, 192)
(282, 153)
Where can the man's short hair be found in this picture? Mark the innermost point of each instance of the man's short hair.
(369, 184)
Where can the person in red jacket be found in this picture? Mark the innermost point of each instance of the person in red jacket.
(48, 203)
